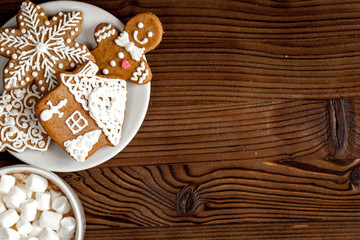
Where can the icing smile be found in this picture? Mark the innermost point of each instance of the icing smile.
(145, 40)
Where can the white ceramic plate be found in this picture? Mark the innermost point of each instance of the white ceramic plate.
(55, 159)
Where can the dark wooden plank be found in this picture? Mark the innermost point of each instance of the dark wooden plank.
(306, 230)
(219, 193)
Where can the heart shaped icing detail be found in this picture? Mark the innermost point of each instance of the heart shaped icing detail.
(125, 64)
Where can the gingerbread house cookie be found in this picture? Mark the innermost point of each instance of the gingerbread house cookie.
(85, 112)
(41, 47)
(123, 54)
(19, 128)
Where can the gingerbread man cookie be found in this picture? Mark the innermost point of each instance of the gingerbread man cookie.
(123, 54)
(40, 47)
(19, 128)
(85, 112)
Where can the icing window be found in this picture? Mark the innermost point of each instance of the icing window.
(76, 122)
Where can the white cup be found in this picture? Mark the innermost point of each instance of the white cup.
(63, 186)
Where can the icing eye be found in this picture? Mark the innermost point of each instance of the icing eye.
(150, 34)
(140, 25)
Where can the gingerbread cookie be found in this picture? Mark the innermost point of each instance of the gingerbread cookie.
(85, 112)
(123, 55)
(40, 47)
(19, 129)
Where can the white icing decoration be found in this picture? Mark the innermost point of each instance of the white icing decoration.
(7, 52)
(106, 108)
(112, 63)
(105, 71)
(45, 46)
(135, 36)
(60, 66)
(19, 128)
(104, 33)
(35, 74)
(72, 33)
(140, 25)
(87, 88)
(139, 73)
(47, 22)
(121, 55)
(80, 147)
(55, 18)
(68, 40)
(72, 65)
(123, 41)
(150, 34)
(76, 122)
(47, 114)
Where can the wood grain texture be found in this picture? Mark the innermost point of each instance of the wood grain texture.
(253, 127)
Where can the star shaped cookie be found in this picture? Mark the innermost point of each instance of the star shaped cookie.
(40, 47)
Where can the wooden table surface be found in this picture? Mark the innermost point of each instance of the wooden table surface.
(253, 127)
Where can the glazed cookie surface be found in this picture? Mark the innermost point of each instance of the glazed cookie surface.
(40, 47)
(123, 54)
(19, 128)
(85, 112)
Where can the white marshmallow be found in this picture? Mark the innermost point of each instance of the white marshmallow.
(49, 234)
(29, 210)
(36, 183)
(9, 218)
(15, 197)
(24, 228)
(2, 207)
(43, 200)
(9, 234)
(65, 236)
(6, 183)
(37, 229)
(61, 205)
(29, 238)
(27, 191)
(67, 226)
(50, 220)
(54, 194)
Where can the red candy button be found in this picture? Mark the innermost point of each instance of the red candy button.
(125, 64)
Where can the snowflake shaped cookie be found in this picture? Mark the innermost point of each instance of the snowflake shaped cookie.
(127, 59)
(19, 128)
(40, 47)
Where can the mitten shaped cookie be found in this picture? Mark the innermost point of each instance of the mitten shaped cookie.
(123, 54)
(85, 112)
(40, 47)
(19, 129)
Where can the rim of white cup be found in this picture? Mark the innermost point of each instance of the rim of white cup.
(74, 200)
